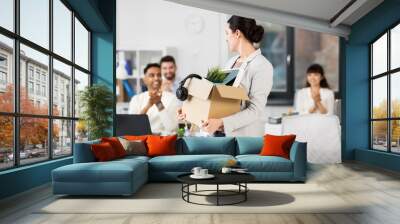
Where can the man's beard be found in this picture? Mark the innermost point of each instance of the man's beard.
(170, 78)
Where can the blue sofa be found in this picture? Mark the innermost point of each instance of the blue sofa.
(125, 176)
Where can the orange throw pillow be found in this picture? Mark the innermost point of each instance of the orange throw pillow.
(161, 145)
(116, 145)
(277, 145)
(103, 152)
(136, 137)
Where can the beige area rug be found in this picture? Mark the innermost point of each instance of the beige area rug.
(166, 198)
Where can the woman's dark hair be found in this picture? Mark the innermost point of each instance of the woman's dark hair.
(251, 31)
(316, 68)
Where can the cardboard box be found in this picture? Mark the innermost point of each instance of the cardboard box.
(209, 100)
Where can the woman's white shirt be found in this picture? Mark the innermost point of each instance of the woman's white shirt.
(304, 101)
(255, 75)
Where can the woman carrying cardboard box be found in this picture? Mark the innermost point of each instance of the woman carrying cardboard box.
(255, 75)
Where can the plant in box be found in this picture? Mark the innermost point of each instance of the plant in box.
(216, 75)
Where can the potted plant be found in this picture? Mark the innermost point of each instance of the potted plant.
(96, 103)
(216, 75)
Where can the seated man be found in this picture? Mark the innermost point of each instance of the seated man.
(160, 106)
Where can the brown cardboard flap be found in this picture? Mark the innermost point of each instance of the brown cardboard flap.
(200, 88)
(231, 92)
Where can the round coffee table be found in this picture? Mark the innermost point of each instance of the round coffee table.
(238, 179)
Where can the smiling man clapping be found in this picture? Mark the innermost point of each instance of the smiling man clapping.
(160, 106)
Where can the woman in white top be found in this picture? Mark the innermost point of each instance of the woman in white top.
(255, 75)
(317, 97)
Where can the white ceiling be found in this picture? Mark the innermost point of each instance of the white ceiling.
(320, 9)
(316, 15)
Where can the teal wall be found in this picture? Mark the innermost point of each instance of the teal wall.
(356, 83)
(381, 159)
(99, 16)
(103, 63)
(24, 178)
(103, 51)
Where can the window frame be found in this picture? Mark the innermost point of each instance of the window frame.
(16, 114)
(276, 98)
(388, 74)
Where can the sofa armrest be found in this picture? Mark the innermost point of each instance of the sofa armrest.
(83, 152)
(298, 155)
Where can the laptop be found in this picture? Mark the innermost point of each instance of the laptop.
(132, 124)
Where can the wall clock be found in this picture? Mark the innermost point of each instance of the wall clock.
(194, 24)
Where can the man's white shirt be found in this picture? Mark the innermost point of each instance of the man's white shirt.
(165, 121)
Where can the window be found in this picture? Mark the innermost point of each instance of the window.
(6, 142)
(6, 73)
(3, 61)
(33, 140)
(291, 51)
(30, 87)
(81, 81)
(3, 78)
(55, 102)
(395, 47)
(35, 21)
(313, 47)
(3, 81)
(45, 75)
(30, 72)
(3, 72)
(62, 31)
(39, 61)
(385, 94)
(61, 73)
(7, 14)
(44, 91)
(62, 137)
(81, 45)
(274, 47)
(37, 89)
(37, 74)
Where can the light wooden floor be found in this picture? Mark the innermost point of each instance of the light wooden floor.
(379, 189)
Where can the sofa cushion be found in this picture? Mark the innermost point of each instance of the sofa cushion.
(185, 163)
(249, 145)
(275, 145)
(111, 171)
(135, 147)
(161, 145)
(103, 152)
(116, 145)
(257, 163)
(209, 145)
